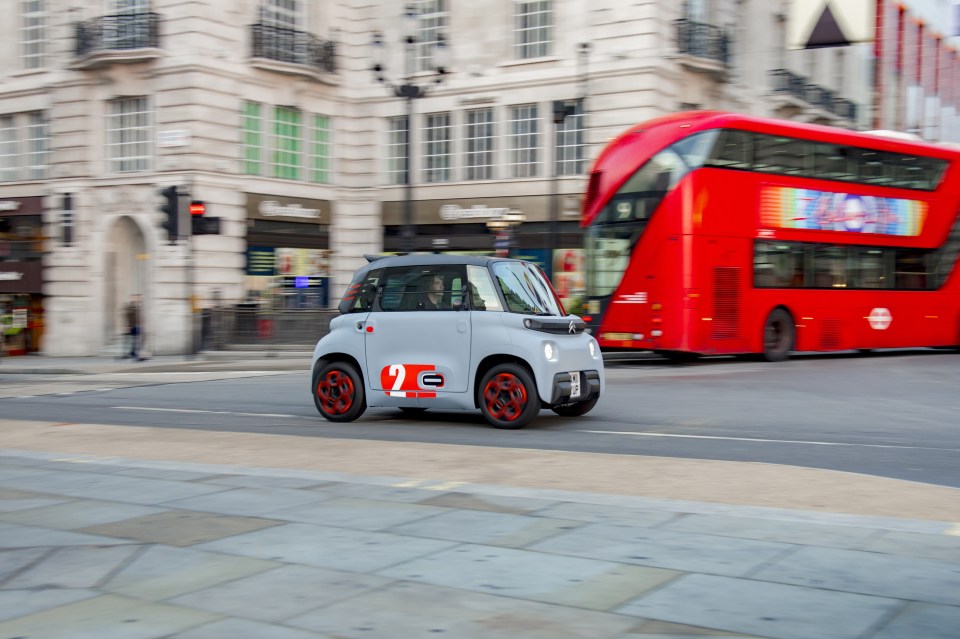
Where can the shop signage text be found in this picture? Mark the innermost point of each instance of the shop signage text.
(456, 212)
(272, 208)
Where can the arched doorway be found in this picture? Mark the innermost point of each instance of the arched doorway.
(125, 275)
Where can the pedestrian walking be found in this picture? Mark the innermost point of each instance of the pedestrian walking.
(134, 330)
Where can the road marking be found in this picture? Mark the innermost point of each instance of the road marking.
(450, 485)
(204, 412)
(953, 530)
(760, 440)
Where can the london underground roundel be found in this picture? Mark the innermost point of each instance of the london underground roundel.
(880, 319)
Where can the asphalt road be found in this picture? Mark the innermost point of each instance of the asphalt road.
(892, 415)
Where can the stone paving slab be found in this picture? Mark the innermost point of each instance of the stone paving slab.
(331, 555)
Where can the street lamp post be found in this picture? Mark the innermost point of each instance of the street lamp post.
(562, 109)
(409, 91)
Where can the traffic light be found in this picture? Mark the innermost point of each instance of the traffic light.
(201, 223)
(171, 211)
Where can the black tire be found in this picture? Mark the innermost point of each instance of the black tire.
(575, 409)
(338, 391)
(778, 336)
(508, 397)
(412, 411)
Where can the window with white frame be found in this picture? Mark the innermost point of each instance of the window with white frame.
(533, 28)
(432, 21)
(437, 151)
(569, 143)
(320, 149)
(523, 140)
(287, 143)
(293, 146)
(252, 138)
(131, 6)
(33, 33)
(36, 143)
(479, 144)
(9, 159)
(129, 135)
(288, 14)
(397, 150)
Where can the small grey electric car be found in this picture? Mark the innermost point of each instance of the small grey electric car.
(455, 332)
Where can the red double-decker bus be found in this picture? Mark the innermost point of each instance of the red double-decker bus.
(717, 233)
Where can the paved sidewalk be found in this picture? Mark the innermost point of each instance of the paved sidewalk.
(107, 547)
(259, 360)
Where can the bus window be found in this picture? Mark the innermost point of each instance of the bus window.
(734, 150)
(911, 269)
(831, 162)
(774, 154)
(779, 265)
(830, 267)
(873, 268)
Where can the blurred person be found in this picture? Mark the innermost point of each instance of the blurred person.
(134, 329)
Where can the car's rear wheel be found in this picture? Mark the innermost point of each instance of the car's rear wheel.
(575, 409)
(508, 396)
(338, 392)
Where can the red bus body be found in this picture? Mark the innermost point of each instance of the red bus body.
(704, 270)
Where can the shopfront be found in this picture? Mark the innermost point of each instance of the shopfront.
(288, 251)
(471, 227)
(21, 275)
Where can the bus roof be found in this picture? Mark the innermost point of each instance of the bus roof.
(624, 154)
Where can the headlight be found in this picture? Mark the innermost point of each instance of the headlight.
(550, 351)
(593, 349)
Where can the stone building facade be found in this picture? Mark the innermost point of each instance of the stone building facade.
(269, 113)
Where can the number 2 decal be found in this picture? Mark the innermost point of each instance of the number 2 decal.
(402, 380)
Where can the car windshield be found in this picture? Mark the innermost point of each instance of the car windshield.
(526, 289)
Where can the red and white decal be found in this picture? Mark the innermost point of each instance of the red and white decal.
(403, 380)
(880, 319)
(640, 297)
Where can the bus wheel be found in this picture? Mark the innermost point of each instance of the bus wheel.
(778, 332)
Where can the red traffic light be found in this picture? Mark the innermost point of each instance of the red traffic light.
(197, 208)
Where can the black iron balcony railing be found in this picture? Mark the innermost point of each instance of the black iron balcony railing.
(120, 32)
(845, 109)
(819, 96)
(703, 41)
(788, 82)
(290, 45)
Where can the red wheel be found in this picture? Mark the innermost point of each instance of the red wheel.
(338, 392)
(508, 396)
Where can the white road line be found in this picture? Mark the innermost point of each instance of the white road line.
(204, 412)
(760, 440)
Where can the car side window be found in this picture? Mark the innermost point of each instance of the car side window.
(483, 296)
(359, 295)
(422, 288)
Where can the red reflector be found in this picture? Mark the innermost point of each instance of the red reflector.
(587, 318)
(369, 329)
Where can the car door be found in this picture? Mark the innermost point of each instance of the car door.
(414, 350)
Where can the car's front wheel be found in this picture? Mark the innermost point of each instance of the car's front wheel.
(508, 396)
(338, 391)
(575, 409)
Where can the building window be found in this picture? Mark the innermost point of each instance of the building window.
(129, 135)
(397, 150)
(36, 146)
(320, 150)
(8, 149)
(33, 33)
(569, 143)
(283, 13)
(287, 138)
(523, 140)
(433, 18)
(534, 28)
(252, 142)
(479, 144)
(436, 148)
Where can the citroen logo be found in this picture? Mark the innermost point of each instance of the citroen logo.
(572, 328)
